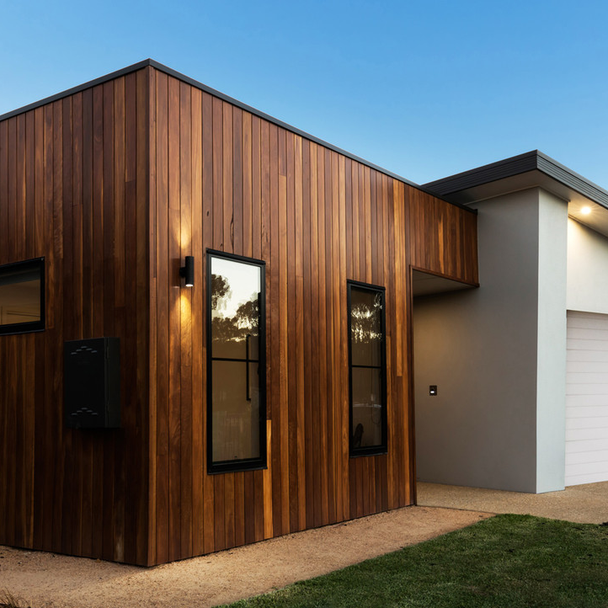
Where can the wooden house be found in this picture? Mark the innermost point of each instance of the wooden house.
(274, 394)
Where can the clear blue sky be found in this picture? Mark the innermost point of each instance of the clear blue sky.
(423, 88)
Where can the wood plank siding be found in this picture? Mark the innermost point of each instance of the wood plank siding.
(115, 185)
(73, 188)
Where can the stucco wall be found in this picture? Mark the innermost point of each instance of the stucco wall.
(480, 348)
(551, 351)
(587, 269)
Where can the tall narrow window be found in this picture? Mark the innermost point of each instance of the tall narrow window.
(367, 362)
(236, 416)
(22, 297)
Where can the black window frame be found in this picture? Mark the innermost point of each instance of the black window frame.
(28, 327)
(247, 464)
(383, 447)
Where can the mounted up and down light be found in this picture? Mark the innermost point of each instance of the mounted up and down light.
(187, 271)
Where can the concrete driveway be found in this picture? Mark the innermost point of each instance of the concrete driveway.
(583, 504)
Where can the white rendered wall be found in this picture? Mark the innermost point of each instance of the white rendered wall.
(481, 349)
(587, 269)
(552, 343)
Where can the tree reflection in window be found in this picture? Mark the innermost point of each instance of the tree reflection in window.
(237, 402)
(367, 369)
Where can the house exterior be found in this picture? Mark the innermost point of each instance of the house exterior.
(273, 394)
(521, 364)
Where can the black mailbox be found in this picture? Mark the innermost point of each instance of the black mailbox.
(92, 383)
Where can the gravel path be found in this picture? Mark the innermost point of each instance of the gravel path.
(48, 580)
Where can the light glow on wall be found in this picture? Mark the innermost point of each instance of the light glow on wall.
(586, 210)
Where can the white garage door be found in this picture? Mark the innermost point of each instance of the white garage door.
(587, 399)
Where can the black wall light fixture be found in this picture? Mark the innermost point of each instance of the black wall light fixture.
(187, 271)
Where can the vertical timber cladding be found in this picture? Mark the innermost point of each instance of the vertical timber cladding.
(443, 238)
(73, 188)
(225, 179)
(114, 185)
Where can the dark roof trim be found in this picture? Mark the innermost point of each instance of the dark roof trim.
(516, 165)
(159, 66)
(82, 87)
(571, 179)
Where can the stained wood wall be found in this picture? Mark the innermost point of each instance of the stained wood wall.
(443, 238)
(73, 188)
(114, 185)
(225, 179)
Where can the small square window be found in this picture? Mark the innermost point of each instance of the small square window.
(22, 297)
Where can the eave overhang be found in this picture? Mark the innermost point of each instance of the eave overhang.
(530, 170)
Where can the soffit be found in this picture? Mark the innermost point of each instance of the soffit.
(529, 170)
(424, 284)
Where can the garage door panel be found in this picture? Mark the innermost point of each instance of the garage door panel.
(594, 334)
(589, 379)
(588, 434)
(577, 480)
(586, 423)
(584, 412)
(588, 345)
(587, 389)
(577, 453)
(588, 355)
(578, 468)
(587, 399)
(585, 320)
(587, 367)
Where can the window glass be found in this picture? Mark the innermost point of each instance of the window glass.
(236, 411)
(235, 308)
(367, 407)
(21, 297)
(366, 327)
(367, 369)
(237, 396)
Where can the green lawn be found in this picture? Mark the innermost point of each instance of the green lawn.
(509, 560)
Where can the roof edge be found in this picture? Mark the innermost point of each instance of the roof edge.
(573, 180)
(486, 173)
(517, 165)
(77, 89)
(199, 85)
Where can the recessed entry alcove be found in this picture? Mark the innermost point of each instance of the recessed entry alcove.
(437, 353)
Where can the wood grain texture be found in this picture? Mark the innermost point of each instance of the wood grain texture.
(115, 185)
(64, 196)
(317, 219)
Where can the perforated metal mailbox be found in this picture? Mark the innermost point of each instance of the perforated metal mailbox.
(92, 383)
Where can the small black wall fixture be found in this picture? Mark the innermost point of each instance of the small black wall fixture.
(187, 271)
